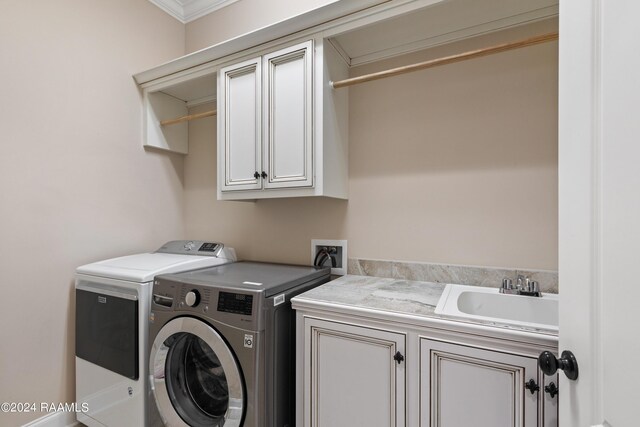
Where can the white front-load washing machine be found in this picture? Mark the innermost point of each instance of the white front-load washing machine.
(112, 328)
(222, 345)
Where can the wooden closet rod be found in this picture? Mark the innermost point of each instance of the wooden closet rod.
(187, 118)
(446, 60)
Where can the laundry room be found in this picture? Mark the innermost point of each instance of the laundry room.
(180, 157)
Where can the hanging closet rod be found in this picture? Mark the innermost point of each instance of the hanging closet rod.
(187, 118)
(446, 60)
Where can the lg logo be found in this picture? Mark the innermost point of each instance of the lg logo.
(248, 340)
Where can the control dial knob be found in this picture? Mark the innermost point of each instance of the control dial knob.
(192, 298)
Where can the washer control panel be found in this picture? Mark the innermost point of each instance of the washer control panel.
(231, 302)
(233, 307)
(163, 300)
(192, 298)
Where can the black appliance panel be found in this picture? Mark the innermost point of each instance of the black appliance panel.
(107, 332)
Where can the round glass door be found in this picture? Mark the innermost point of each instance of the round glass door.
(196, 378)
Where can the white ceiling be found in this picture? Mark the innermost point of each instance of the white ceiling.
(189, 10)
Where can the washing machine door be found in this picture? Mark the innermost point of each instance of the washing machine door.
(196, 379)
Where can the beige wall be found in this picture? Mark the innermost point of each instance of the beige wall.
(456, 164)
(76, 184)
(243, 17)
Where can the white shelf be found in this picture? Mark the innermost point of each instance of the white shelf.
(436, 25)
(312, 18)
(361, 31)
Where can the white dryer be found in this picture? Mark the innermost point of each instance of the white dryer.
(112, 329)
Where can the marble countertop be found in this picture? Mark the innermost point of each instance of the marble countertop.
(398, 296)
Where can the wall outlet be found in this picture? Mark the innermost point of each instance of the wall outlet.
(339, 247)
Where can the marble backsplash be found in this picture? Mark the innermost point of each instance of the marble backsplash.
(445, 273)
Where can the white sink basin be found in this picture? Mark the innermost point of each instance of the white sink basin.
(489, 305)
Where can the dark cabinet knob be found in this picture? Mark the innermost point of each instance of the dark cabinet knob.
(264, 175)
(552, 389)
(398, 357)
(531, 386)
(256, 175)
(549, 364)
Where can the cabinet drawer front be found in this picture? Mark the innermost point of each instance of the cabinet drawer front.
(464, 386)
(239, 116)
(288, 107)
(354, 378)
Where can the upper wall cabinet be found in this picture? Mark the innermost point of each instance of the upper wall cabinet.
(273, 139)
(240, 126)
(287, 110)
(265, 122)
(282, 127)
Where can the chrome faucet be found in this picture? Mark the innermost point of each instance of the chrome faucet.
(524, 286)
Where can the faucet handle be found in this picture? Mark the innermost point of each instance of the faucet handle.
(532, 286)
(507, 283)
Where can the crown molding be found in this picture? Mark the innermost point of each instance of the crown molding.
(186, 11)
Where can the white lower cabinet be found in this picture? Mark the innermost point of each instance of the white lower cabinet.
(373, 372)
(357, 376)
(467, 386)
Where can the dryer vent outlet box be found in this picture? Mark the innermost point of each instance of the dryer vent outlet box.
(338, 249)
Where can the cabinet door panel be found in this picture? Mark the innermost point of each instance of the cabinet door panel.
(354, 379)
(464, 386)
(550, 405)
(239, 115)
(288, 115)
